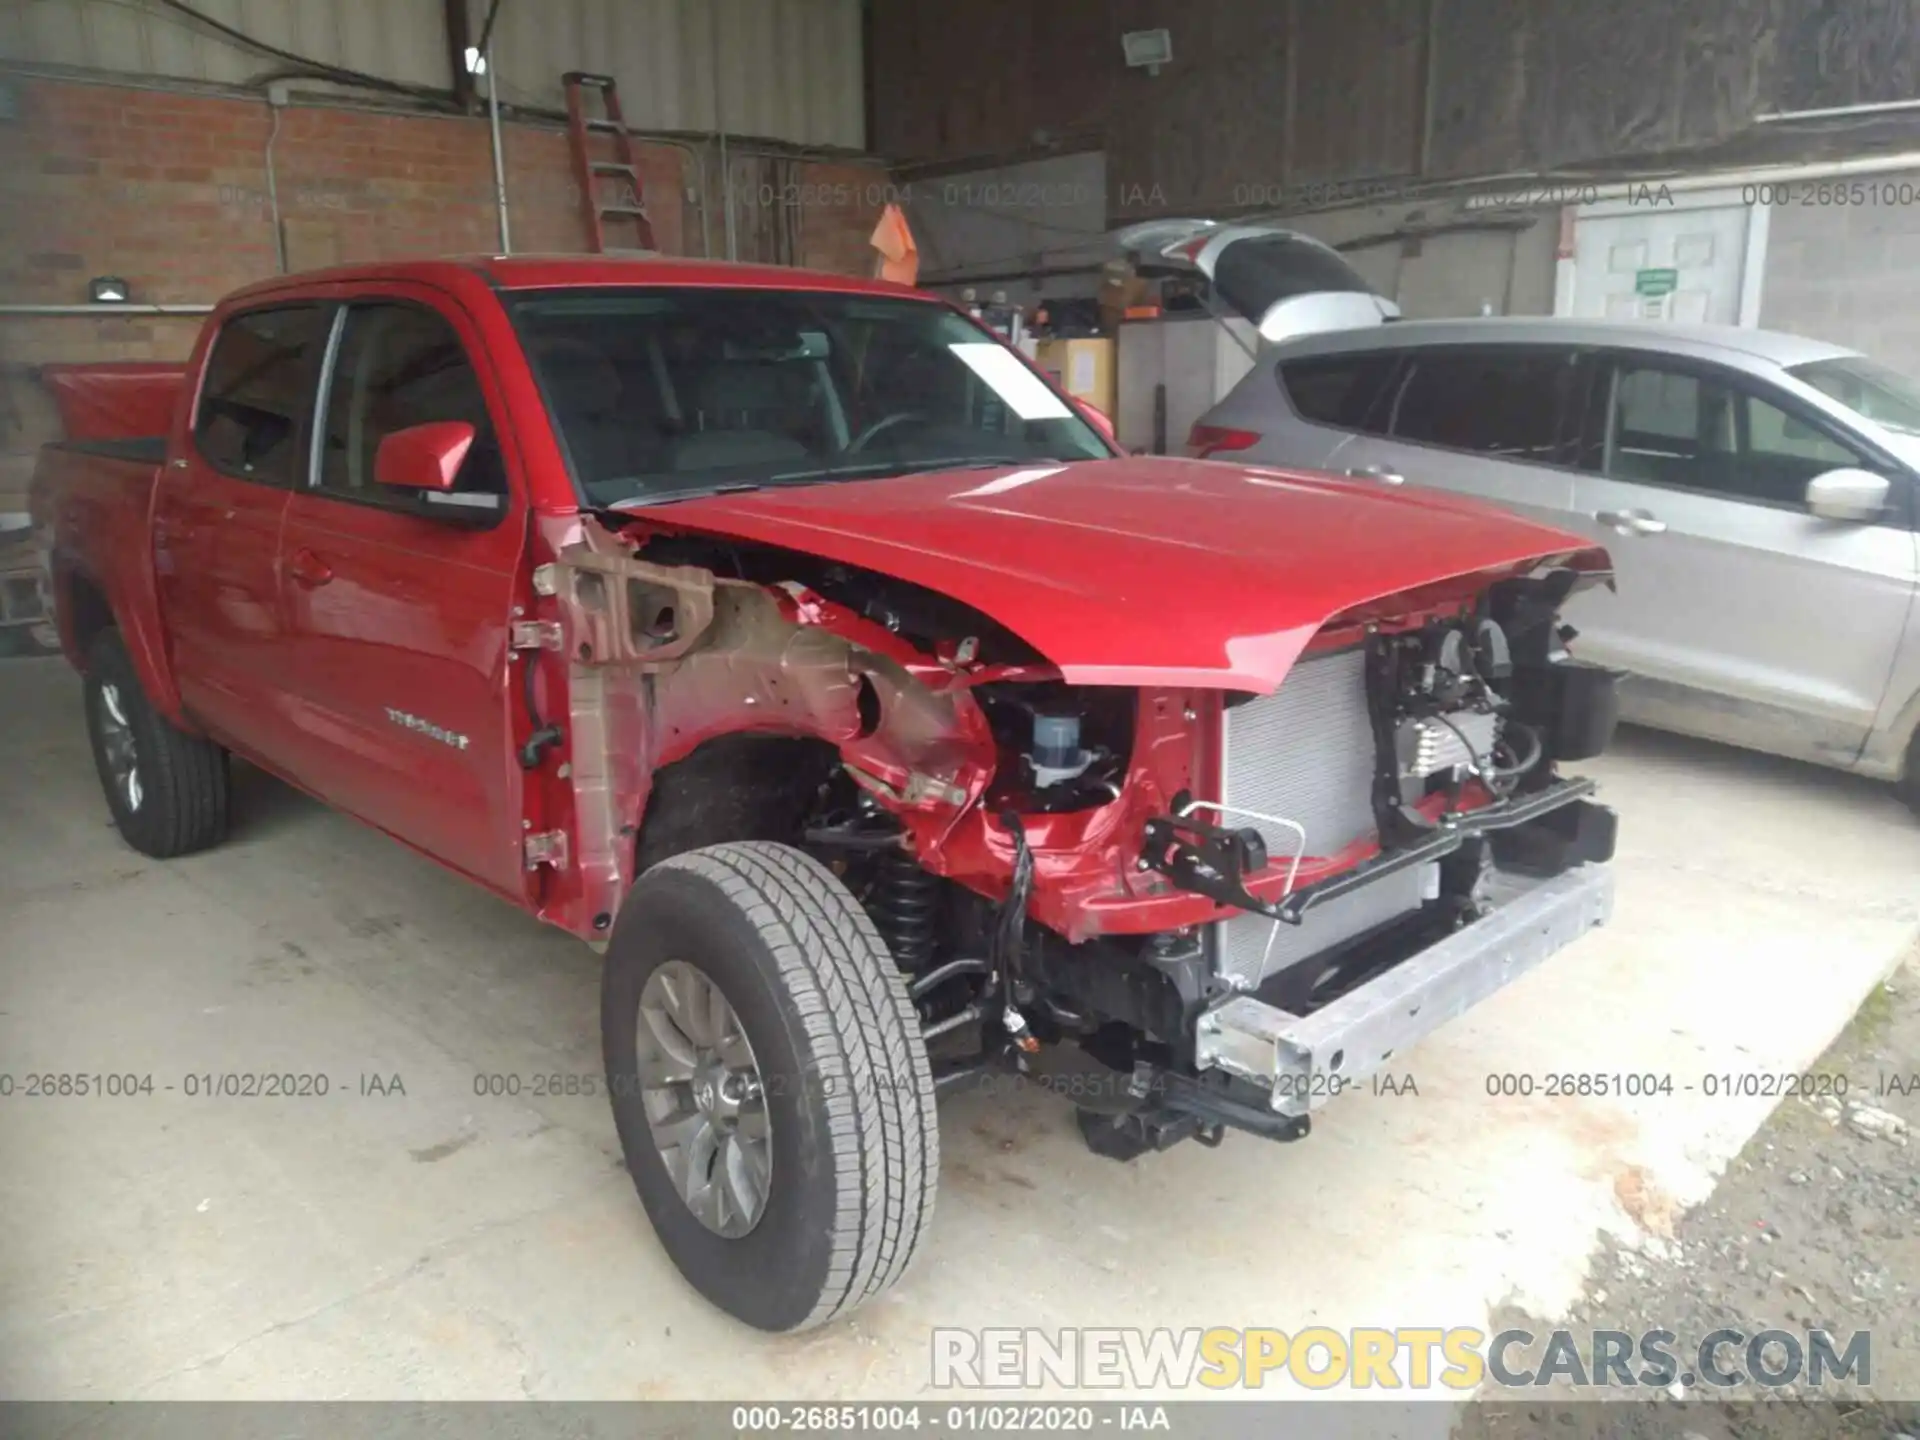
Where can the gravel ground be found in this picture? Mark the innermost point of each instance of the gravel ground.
(1815, 1226)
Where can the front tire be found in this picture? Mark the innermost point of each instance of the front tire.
(782, 1137)
(167, 789)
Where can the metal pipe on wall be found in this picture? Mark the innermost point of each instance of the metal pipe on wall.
(276, 100)
(106, 310)
(499, 162)
(1429, 85)
(720, 132)
(1837, 112)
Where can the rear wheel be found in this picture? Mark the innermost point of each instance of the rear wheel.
(1908, 785)
(769, 1084)
(167, 789)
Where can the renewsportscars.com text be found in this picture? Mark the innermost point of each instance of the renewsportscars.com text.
(1406, 1357)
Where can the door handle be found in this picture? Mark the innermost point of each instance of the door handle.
(309, 569)
(1378, 472)
(1630, 522)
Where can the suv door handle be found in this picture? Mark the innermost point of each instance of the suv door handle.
(1378, 472)
(1630, 522)
(309, 569)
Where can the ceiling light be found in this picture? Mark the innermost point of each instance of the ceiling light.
(1147, 49)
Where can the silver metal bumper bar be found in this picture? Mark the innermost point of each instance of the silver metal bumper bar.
(1304, 1061)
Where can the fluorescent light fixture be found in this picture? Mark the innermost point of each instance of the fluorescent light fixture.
(1147, 49)
(476, 62)
(108, 290)
(1016, 385)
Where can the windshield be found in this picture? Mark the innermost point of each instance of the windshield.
(1882, 395)
(668, 393)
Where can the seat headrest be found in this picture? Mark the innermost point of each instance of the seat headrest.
(581, 377)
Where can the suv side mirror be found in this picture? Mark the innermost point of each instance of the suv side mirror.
(1848, 494)
(423, 457)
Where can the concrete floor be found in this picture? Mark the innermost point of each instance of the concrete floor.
(440, 1245)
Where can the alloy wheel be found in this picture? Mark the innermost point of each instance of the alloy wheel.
(705, 1100)
(123, 756)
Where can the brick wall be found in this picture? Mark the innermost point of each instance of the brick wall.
(168, 190)
(1844, 272)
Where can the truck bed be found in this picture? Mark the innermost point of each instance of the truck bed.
(92, 501)
(114, 399)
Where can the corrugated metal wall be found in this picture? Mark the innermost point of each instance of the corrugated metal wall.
(1289, 104)
(786, 69)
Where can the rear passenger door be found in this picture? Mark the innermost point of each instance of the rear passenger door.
(217, 517)
(398, 607)
(1489, 422)
(1743, 617)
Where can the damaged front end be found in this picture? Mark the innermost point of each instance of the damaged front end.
(1187, 907)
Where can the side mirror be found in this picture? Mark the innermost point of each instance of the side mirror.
(1848, 494)
(1095, 417)
(423, 457)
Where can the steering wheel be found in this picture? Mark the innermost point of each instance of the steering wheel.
(881, 426)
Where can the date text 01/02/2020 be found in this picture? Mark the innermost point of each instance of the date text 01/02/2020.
(197, 1085)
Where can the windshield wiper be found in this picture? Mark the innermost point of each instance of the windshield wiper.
(691, 492)
(825, 474)
(910, 467)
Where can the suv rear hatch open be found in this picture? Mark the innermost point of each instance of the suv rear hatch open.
(1286, 283)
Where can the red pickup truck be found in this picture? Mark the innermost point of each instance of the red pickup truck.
(799, 642)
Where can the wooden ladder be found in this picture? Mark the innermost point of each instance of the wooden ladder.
(588, 172)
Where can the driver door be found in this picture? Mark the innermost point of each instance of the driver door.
(398, 611)
(1741, 616)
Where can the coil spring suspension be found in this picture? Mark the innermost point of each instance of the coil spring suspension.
(905, 902)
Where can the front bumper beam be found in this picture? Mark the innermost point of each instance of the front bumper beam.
(1304, 1061)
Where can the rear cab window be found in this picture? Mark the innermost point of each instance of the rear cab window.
(256, 395)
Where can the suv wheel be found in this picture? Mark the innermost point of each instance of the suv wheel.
(769, 1083)
(167, 789)
(1907, 787)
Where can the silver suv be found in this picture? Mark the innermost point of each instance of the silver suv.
(1756, 491)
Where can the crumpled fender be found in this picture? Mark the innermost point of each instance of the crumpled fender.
(660, 659)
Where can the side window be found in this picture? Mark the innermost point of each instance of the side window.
(1702, 432)
(258, 391)
(1780, 452)
(1493, 402)
(1343, 391)
(397, 366)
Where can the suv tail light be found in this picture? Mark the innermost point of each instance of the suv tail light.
(1206, 440)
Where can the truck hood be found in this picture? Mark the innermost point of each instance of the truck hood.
(1147, 570)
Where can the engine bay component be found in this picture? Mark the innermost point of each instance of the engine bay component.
(1210, 860)
(1440, 719)
(1445, 743)
(1056, 753)
(1062, 747)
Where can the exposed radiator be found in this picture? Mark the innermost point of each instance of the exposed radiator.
(1248, 948)
(1305, 753)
